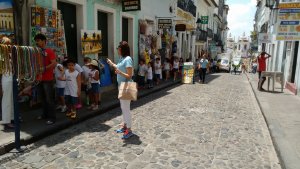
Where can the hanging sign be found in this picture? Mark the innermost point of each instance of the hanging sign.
(204, 19)
(50, 23)
(131, 5)
(180, 27)
(188, 72)
(164, 23)
(264, 38)
(288, 28)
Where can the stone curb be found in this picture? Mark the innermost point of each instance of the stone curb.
(58, 127)
(267, 122)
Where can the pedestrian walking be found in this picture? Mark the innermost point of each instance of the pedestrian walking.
(60, 87)
(73, 88)
(80, 70)
(254, 67)
(149, 76)
(243, 68)
(86, 80)
(203, 63)
(45, 86)
(95, 84)
(124, 71)
(175, 68)
(158, 70)
(262, 67)
(7, 93)
(167, 68)
(141, 73)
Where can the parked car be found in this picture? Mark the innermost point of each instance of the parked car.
(223, 64)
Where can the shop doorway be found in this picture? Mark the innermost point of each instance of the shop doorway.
(103, 26)
(295, 61)
(125, 29)
(70, 25)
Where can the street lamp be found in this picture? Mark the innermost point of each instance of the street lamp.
(198, 22)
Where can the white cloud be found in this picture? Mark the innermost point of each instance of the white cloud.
(241, 16)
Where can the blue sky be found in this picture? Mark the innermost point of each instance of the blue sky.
(5, 4)
(240, 16)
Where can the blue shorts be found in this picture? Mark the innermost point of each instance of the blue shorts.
(157, 76)
(70, 100)
(60, 92)
(95, 88)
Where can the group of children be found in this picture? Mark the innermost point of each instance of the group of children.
(151, 72)
(71, 79)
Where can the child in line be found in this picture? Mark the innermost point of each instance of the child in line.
(85, 78)
(175, 68)
(167, 68)
(95, 84)
(73, 86)
(149, 76)
(141, 74)
(158, 70)
(60, 87)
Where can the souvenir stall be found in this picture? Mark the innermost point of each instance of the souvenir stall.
(153, 44)
(23, 64)
(50, 23)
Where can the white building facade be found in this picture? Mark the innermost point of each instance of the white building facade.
(285, 54)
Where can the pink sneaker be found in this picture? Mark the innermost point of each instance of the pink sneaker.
(78, 106)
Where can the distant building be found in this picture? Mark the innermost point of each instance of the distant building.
(243, 45)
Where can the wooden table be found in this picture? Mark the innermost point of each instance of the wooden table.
(273, 76)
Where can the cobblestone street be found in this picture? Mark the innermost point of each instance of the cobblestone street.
(203, 126)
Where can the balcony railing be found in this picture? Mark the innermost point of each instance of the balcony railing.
(201, 35)
(210, 33)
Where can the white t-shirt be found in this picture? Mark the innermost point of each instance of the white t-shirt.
(93, 74)
(71, 81)
(86, 71)
(149, 73)
(167, 66)
(78, 68)
(142, 70)
(58, 74)
(176, 65)
(157, 68)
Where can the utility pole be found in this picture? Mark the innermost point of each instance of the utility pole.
(18, 5)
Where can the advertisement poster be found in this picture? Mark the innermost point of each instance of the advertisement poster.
(188, 73)
(289, 22)
(91, 41)
(49, 22)
(7, 27)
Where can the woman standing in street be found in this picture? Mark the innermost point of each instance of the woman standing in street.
(124, 71)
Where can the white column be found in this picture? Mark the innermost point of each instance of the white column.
(179, 45)
(189, 45)
(184, 47)
(193, 40)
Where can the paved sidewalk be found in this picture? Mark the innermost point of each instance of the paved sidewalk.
(282, 113)
(33, 129)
